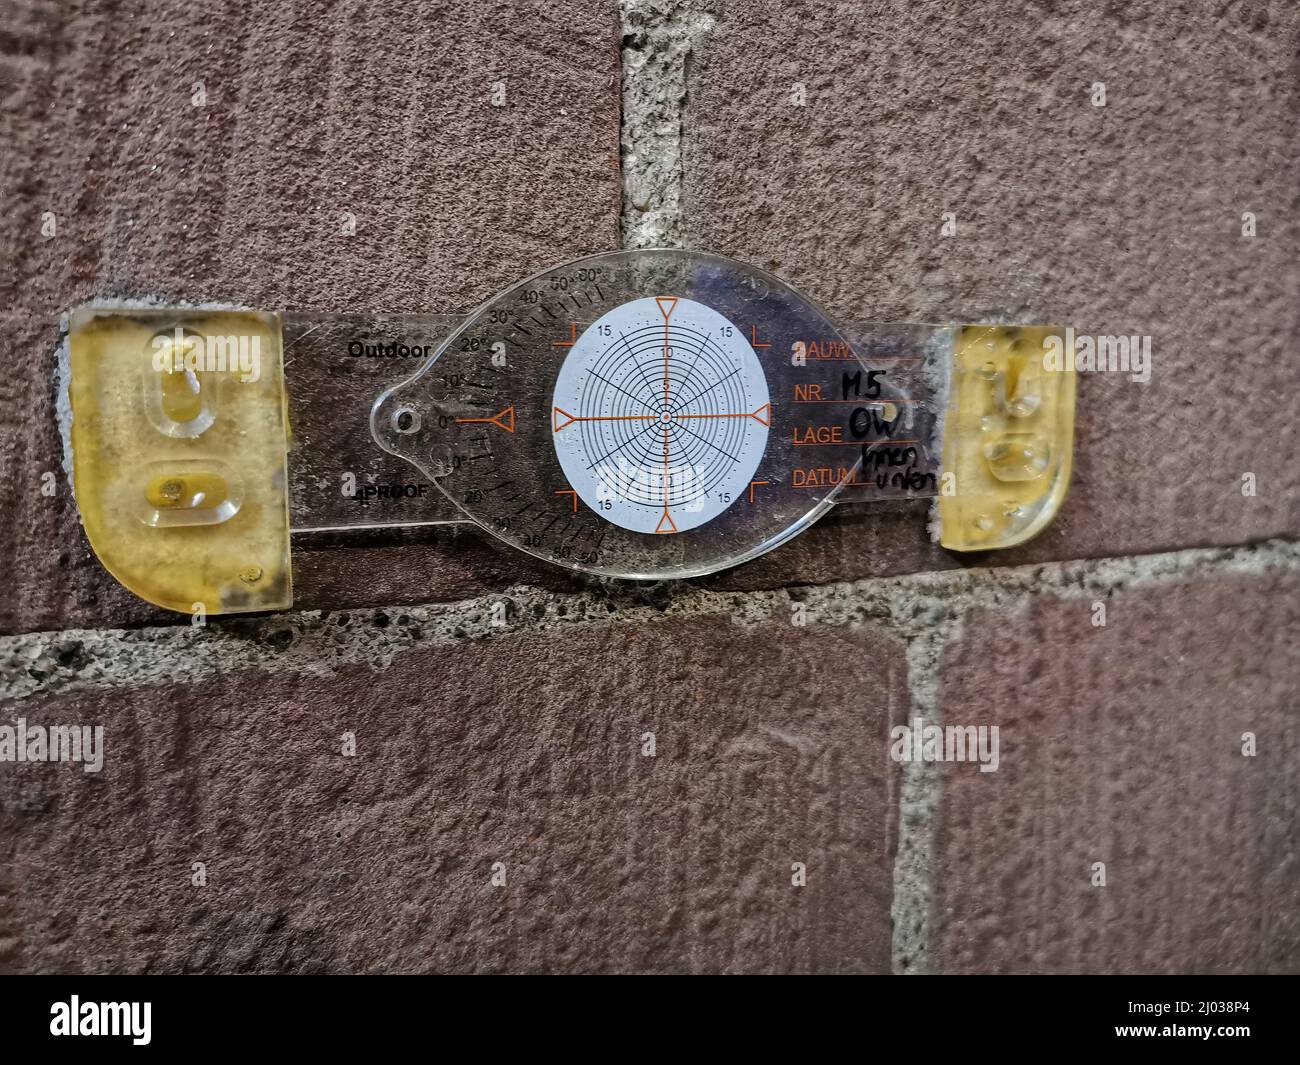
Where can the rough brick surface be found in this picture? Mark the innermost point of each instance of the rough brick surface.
(383, 112)
(1123, 745)
(513, 749)
(1117, 219)
(523, 746)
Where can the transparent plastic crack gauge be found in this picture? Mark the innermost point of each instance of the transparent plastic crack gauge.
(640, 414)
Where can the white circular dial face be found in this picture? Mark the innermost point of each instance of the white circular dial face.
(660, 415)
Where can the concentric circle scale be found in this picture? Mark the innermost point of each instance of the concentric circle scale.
(660, 415)
(641, 414)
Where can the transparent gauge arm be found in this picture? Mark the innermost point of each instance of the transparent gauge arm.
(334, 367)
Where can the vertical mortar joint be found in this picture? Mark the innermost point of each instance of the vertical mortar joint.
(658, 37)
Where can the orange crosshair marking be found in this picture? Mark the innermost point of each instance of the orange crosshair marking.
(573, 337)
(562, 419)
(671, 302)
(502, 419)
(763, 415)
(569, 419)
(672, 525)
(569, 492)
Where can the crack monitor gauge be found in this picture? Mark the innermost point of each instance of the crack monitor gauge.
(638, 414)
(649, 414)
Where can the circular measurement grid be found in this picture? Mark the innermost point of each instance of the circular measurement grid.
(660, 415)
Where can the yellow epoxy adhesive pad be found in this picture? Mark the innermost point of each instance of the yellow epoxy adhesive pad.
(1008, 438)
(178, 444)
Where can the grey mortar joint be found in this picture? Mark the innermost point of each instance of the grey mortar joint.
(920, 606)
(658, 38)
(918, 809)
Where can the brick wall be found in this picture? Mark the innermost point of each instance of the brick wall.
(822, 141)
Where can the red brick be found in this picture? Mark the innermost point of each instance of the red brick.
(1123, 745)
(523, 748)
(384, 113)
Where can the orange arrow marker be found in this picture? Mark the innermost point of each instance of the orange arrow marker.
(558, 413)
(503, 419)
(763, 415)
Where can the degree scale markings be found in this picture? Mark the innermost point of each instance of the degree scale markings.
(505, 416)
(666, 523)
